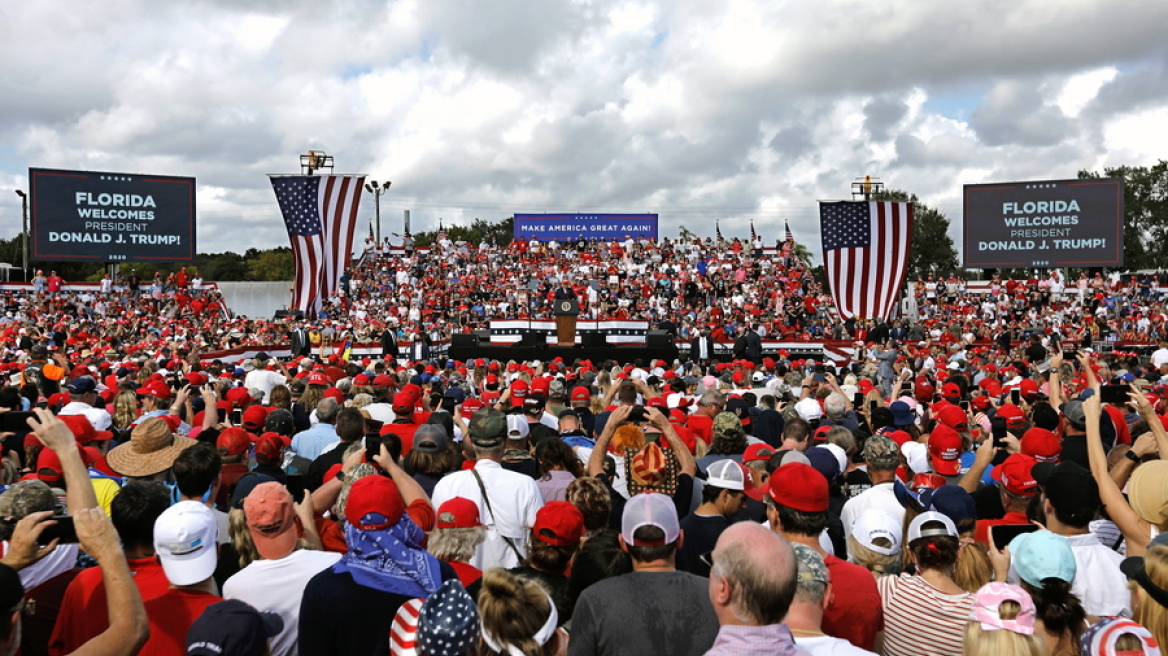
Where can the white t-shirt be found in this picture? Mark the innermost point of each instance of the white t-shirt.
(264, 380)
(277, 586)
(829, 646)
(880, 496)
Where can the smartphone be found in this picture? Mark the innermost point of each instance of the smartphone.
(637, 414)
(237, 417)
(372, 448)
(1070, 355)
(1016, 397)
(222, 415)
(15, 421)
(858, 400)
(872, 405)
(295, 485)
(1114, 394)
(998, 429)
(964, 405)
(63, 530)
(1003, 534)
(818, 378)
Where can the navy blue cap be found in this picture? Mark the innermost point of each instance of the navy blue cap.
(232, 628)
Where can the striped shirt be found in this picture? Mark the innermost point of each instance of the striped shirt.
(920, 620)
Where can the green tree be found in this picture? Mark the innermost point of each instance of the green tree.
(932, 249)
(479, 230)
(273, 264)
(1145, 213)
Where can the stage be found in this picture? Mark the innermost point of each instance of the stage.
(597, 354)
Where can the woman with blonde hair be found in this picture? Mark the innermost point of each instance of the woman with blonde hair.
(874, 542)
(1148, 581)
(518, 617)
(1002, 623)
(125, 410)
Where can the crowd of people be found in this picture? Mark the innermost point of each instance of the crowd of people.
(945, 492)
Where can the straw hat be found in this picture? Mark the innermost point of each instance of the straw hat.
(1148, 492)
(152, 449)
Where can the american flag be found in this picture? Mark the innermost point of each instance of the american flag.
(865, 250)
(788, 236)
(320, 212)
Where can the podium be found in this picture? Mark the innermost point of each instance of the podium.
(565, 311)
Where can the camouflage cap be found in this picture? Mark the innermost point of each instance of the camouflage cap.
(880, 450)
(25, 498)
(727, 425)
(488, 427)
(811, 565)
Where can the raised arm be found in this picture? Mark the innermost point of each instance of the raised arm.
(55, 435)
(128, 627)
(1136, 531)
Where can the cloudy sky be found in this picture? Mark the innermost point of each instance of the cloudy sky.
(694, 109)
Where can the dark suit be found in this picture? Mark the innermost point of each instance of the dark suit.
(300, 345)
(695, 348)
(753, 351)
(389, 344)
(565, 294)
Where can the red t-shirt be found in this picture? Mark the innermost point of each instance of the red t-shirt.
(855, 614)
(702, 426)
(84, 612)
(467, 574)
(171, 615)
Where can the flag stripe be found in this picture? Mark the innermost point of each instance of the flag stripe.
(320, 213)
(866, 247)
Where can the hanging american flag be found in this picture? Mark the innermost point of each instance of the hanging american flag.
(865, 251)
(789, 236)
(320, 212)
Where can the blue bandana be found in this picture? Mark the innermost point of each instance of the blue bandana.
(391, 560)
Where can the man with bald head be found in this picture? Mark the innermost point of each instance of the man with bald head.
(752, 583)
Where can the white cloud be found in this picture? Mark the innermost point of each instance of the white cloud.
(695, 109)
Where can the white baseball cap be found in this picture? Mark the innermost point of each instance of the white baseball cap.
(184, 539)
(650, 509)
(875, 523)
(726, 474)
(917, 457)
(808, 409)
(915, 531)
(517, 424)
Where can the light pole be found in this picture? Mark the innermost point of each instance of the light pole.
(24, 228)
(378, 190)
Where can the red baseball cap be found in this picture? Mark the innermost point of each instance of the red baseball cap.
(758, 451)
(361, 379)
(233, 440)
(471, 406)
(1012, 414)
(953, 417)
(374, 504)
(559, 524)
(254, 418)
(403, 403)
(951, 391)
(1029, 389)
(1041, 444)
(540, 385)
(945, 450)
(581, 393)
(458, 512)
(1015, 474)
(518, 392)
(798, 485)
(317, 378)
(83, 430)
(381, 381)
(900, 437)
(48, 466)
(270, 445)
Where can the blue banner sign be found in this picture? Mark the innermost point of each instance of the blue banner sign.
(573, 227)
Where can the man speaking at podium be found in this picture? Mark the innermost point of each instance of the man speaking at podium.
(564, 292)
